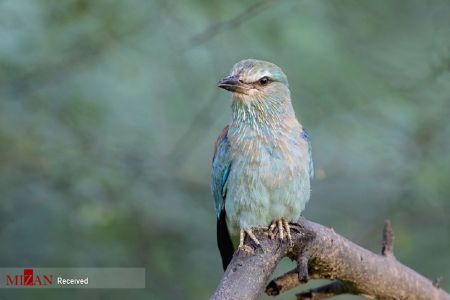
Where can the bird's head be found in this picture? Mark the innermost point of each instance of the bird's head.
(254, 80)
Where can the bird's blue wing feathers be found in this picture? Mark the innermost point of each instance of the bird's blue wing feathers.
(221, 166)
(306, 137)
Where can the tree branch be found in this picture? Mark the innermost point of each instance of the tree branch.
(325, 255)
(388, 239)
(326, 291)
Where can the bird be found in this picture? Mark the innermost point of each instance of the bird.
(262, 160)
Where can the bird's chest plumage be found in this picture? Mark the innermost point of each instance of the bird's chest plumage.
(268, 161)
(268, 178)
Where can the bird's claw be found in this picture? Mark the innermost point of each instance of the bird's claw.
(271, 230)
(280, 227)
(246, 249)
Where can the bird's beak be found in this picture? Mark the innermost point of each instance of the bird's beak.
(231, 83)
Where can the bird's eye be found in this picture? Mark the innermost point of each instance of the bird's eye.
(264, 80)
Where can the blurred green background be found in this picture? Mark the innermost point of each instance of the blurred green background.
(109, 110)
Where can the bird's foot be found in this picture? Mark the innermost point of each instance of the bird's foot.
(246, 249)
(282, 228)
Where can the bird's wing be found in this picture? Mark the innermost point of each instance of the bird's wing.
(306, 137)
(221, 166)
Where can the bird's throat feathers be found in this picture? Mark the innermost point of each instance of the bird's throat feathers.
(264, 115)
(261, 128)
(266, 125)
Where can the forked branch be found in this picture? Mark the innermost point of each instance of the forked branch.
(322, 253)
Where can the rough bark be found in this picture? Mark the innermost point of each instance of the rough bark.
(322, 253)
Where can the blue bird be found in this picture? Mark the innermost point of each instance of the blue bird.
(262, 163)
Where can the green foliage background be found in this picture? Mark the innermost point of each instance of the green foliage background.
(109, 110)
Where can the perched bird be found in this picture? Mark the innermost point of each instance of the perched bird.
(262, 162)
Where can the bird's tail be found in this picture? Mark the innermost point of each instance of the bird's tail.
(224, 240)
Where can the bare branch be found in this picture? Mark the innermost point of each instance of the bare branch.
(326, 291)
(283, 283)
(302, 267)
(438, 281)
(330, 256)
(388, 240)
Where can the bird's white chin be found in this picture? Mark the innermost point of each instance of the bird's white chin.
(245, 95)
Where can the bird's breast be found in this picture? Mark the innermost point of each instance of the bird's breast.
(272, 161)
